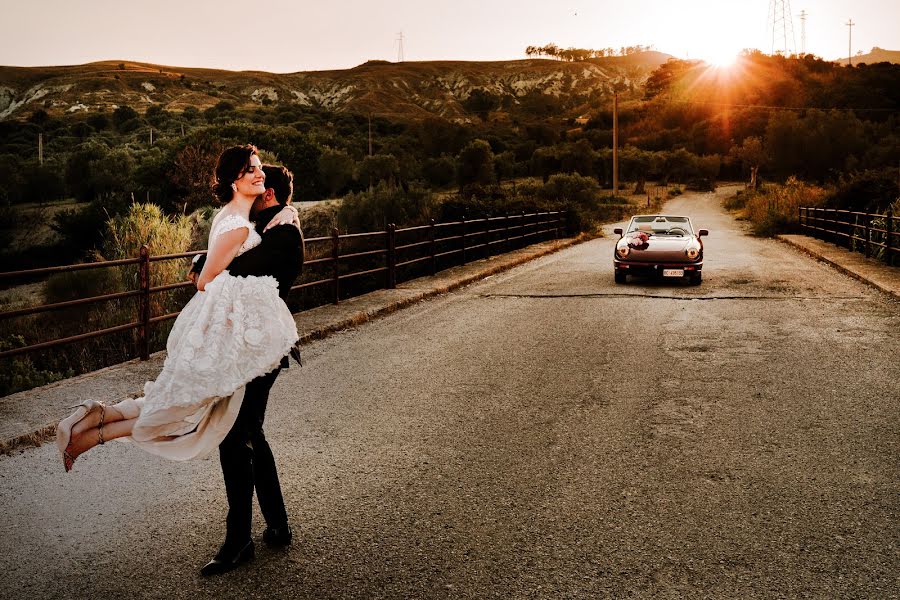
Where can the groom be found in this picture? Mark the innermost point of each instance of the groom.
(246, 458)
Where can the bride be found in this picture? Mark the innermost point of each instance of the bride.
(233, 330)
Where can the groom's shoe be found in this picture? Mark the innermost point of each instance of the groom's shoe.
(228, 561)
(278, 537)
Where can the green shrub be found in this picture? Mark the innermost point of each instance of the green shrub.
(19, 373)
(146, 224)
(736, 202)
(866, 191)
(384, 204)
(73, 285)
(319, 220)
(773, 209)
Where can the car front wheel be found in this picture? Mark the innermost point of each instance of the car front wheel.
(620, 276)
(696, 278)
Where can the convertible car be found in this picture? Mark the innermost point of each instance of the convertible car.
(659, 245)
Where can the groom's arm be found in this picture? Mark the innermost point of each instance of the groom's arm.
(281, 249)
(282, 241)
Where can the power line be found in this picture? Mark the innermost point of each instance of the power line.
(797, 108)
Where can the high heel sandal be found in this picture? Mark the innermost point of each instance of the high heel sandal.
(64, 429)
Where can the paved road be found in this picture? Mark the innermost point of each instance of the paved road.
(543, 433)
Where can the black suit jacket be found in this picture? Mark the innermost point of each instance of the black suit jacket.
(280, 254)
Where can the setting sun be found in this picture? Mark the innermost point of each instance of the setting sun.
(722, 59)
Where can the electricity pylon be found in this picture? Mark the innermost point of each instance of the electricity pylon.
(782, 24)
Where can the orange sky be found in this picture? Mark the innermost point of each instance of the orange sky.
(286, 36)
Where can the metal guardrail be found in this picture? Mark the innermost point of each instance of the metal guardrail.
(869, 233)
(449, 243)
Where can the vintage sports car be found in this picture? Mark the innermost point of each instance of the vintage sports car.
(659, 245)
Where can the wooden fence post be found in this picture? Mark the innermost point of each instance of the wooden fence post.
(868, 221)
(336, 279)
(144, 304)
(391, 256)
(432, 248)
(888, 228)
(464, 239)
(506, 225)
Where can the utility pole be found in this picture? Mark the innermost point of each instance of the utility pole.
(41, 149)
(182, 130)
(151, 136)
(803, 31)
(850, 25)
(616, 144)
(400, 49)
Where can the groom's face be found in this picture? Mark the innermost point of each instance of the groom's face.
(258, 204)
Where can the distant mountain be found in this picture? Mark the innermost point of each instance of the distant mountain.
(875, 56)
(400, 90)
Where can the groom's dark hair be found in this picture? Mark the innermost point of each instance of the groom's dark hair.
(281, 181)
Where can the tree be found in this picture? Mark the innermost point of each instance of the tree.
(481, 102)
(377, 168)
(752, 155)
(439, 172)
(191, 175)
(475, 164)
(545, 163)
(122, 115)
(335, 169)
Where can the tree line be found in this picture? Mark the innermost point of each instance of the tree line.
(582, 54)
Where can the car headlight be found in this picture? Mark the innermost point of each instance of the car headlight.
(623, 251)
(692, 252)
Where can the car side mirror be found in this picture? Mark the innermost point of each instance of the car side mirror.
(702, 232)
(617, 230)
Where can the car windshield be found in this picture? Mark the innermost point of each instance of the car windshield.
(660, 225)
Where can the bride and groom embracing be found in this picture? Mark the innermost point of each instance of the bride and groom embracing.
(224, 353)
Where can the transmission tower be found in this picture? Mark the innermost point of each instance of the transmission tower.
(803, 16)
(782, 24)
(400, 47)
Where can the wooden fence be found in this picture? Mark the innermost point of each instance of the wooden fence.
(873, 234)
(389, 256)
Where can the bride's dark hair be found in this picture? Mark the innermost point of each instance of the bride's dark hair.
(230, 167)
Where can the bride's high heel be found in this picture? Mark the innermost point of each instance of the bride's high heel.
(64, 429)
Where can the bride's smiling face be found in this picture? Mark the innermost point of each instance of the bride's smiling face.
(253, 181)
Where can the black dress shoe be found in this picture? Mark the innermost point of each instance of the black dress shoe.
(224, 562)
(278, 537)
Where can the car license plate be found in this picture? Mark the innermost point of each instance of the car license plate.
(673, 272)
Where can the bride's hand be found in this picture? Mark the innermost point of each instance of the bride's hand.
(285, 216)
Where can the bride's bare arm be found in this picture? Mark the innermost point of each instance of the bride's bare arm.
(220, 255)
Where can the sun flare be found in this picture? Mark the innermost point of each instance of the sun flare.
(722, 59)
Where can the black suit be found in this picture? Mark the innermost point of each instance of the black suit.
(246, 458)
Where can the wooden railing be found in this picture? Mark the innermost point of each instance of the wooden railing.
(394, 254)
(872, 234)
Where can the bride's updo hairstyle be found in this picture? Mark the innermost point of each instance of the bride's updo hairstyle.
(230, 167)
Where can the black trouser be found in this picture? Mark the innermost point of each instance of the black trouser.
(247, 462)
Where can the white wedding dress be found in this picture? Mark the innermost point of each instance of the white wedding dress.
(236, 330)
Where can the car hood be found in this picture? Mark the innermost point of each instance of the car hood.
(659, 248)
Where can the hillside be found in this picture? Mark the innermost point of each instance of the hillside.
(407, 90)
(875, 56)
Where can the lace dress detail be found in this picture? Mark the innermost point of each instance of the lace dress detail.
(231, 222)
(236, 330)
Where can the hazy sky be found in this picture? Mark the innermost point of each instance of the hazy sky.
(302, 35)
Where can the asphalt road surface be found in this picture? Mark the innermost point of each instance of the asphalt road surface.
(543, 433)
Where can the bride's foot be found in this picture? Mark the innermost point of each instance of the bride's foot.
(64, 430)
